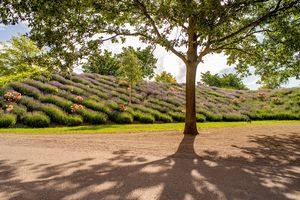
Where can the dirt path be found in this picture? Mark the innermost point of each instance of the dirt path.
(250, 162)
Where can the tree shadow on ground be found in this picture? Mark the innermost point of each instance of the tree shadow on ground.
(270, 169)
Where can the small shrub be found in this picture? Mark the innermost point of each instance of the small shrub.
(161, 117)
(210, 116)
(42, 86)
(262, 96)
(179, 117)
(122, 107)
(55, 113)
(59, 101)
(19, 110)
(122, 118)
(277, 101)
(92, 116)
(12, 96)
(234, 117)
(26, 89)
(112, 105)
(97, 106)
(75, 120)
(30, 103)
(9, 108)
(79, 80)
(235, 101)
(73, 89)
(36, 119)
(76, 108)
(79, 99)
(143, 117)
(200, 118)
(242, 99)
(7, 120)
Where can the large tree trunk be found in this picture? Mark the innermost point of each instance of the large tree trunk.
(190, 114)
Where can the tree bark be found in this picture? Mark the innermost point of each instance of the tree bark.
(190, 114)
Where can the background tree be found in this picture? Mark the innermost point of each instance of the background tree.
(107, 63)
(102, 63)
(165, 77)
(146, 58)
(131, 69)
(20, 58)
(222, 81)
(190, 29)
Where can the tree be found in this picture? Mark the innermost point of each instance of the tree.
(224, 81)
(165, 77)
(146, 58)
(102, 63)
(21, 58)
(190, 29)
(107, 63)
(130, 69)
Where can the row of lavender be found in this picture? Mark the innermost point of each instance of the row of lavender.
(95, 99)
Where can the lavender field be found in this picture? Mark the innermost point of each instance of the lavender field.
(96, 99)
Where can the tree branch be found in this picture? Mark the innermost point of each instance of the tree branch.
(257, 21)
(165, 42)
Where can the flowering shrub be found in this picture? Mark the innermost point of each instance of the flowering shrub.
(26, 89)
(76, 107)
(242, 99)
(79, 98)
(277, 100)
(235, 101)
(9, 108)
(12, 96)
(262, 96)
(122, 107)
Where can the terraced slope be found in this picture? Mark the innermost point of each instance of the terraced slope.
(95, 99)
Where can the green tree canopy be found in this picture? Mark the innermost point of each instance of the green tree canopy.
(147, 59)
(222, 81)
(165, 77)
(107, 63)
(190, 29)
(21, 58)
(104, 63)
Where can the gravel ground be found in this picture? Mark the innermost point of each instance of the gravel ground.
(247, 162)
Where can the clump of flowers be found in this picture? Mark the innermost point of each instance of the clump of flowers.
(262, 96)
(235, 101)
(242, 99)
(12, 96)
(277, 100)
(9, 108)
(79, 98)
(122, 107)
(76, 107)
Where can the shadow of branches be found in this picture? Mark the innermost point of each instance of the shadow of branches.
(269, 170)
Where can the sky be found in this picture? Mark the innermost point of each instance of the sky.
(215, 63)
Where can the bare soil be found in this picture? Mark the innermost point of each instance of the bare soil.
(248, 162)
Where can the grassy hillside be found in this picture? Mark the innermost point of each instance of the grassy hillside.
(95, 99)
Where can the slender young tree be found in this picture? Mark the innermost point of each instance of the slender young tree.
(130, 69)
(245, 30)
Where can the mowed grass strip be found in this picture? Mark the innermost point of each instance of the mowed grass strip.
(128, 128)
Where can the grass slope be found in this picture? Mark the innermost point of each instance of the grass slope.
(94, 99)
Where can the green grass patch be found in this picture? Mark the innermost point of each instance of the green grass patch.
(128, 128)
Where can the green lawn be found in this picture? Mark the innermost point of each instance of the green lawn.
(116, 128)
